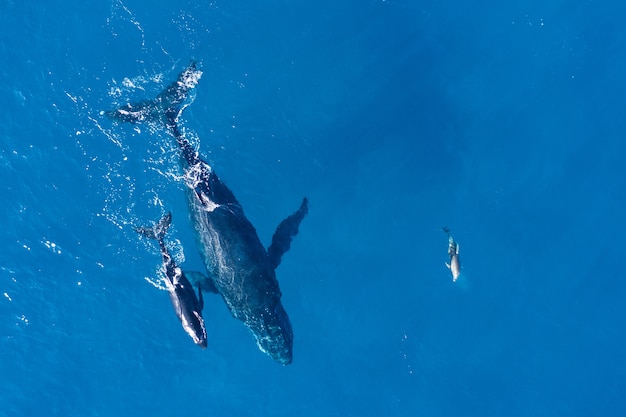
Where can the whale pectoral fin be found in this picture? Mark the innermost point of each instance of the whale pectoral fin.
(200, 298)
(448, 265)
(457, 248)
(285, 232)
(201, 279)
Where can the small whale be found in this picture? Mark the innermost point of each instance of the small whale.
(453, 252)
(187, 307)
(239, 268)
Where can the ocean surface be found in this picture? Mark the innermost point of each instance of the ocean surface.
(504, 122)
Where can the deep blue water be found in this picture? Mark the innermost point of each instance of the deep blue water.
(505, 123)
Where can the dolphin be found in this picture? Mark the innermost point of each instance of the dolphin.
(239, 268)
(188, 308)
(453, 252)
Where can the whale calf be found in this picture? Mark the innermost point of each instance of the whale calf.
(188, 308)
(239, 267)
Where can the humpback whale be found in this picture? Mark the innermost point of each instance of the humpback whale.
(453, 252)
(188, 308)
(239, 268)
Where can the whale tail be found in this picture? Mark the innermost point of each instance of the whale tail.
(169, 103)
(156, 232)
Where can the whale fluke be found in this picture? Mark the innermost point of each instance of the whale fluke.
(157, 232)
(169, 104)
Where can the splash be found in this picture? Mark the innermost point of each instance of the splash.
(158, 278)
(54, 248)
(121, 12)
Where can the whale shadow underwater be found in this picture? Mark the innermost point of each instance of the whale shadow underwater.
(238, 266)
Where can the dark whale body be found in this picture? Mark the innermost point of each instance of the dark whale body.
(239, 268)
(187, 306)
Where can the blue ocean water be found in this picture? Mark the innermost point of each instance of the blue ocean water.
(395, 118)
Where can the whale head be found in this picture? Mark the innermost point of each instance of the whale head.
(273, 333)
(193, 323)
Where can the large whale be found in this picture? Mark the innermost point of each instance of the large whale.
(187, 306)
(239, 268)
